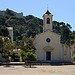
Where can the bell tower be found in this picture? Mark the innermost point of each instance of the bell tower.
(47, 21)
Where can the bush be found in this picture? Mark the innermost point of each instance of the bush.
(74, 57)
(31, 57)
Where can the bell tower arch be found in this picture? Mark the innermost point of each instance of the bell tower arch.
(47, 21)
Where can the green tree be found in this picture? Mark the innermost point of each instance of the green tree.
(3, 31)
(2, 20)
(28, 50)
(1, 44)
(7, 48)
(65, 35)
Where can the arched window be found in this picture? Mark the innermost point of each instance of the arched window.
(48, 20)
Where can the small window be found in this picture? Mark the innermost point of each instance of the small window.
(48, 40)
(48, 20)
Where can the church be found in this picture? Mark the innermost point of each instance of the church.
(48, 45)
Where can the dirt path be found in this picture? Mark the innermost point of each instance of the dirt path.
(38, 70)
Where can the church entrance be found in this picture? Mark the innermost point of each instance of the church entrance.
(48, 56)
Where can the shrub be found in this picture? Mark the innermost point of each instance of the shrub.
(74, 57)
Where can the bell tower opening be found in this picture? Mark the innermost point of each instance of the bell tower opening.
(47, 21)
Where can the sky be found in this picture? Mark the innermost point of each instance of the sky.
(62, 10)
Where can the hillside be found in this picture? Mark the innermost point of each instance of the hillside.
(29, 26)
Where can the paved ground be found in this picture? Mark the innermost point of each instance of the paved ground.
(38, 70)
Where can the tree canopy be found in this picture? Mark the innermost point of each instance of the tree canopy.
(27, 50)
(30, 25)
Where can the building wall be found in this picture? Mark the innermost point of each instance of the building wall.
(41, 42)
(60, 52)
(19, 14)
(65, 53)
(72, 50)
(2, 12)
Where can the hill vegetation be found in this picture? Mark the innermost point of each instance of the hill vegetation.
(29, 26)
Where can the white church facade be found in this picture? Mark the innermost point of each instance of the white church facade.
(48, 46)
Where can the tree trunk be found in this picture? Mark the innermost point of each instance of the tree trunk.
(30, 65)
(7, 64)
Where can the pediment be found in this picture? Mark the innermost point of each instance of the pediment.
(49, 33)
(48, 48)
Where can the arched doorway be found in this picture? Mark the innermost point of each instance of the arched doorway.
(48, 53)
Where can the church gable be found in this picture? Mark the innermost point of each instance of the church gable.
(48, 39)
(49, 33)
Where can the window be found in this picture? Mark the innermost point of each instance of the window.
(48, 20)
(48, 40)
